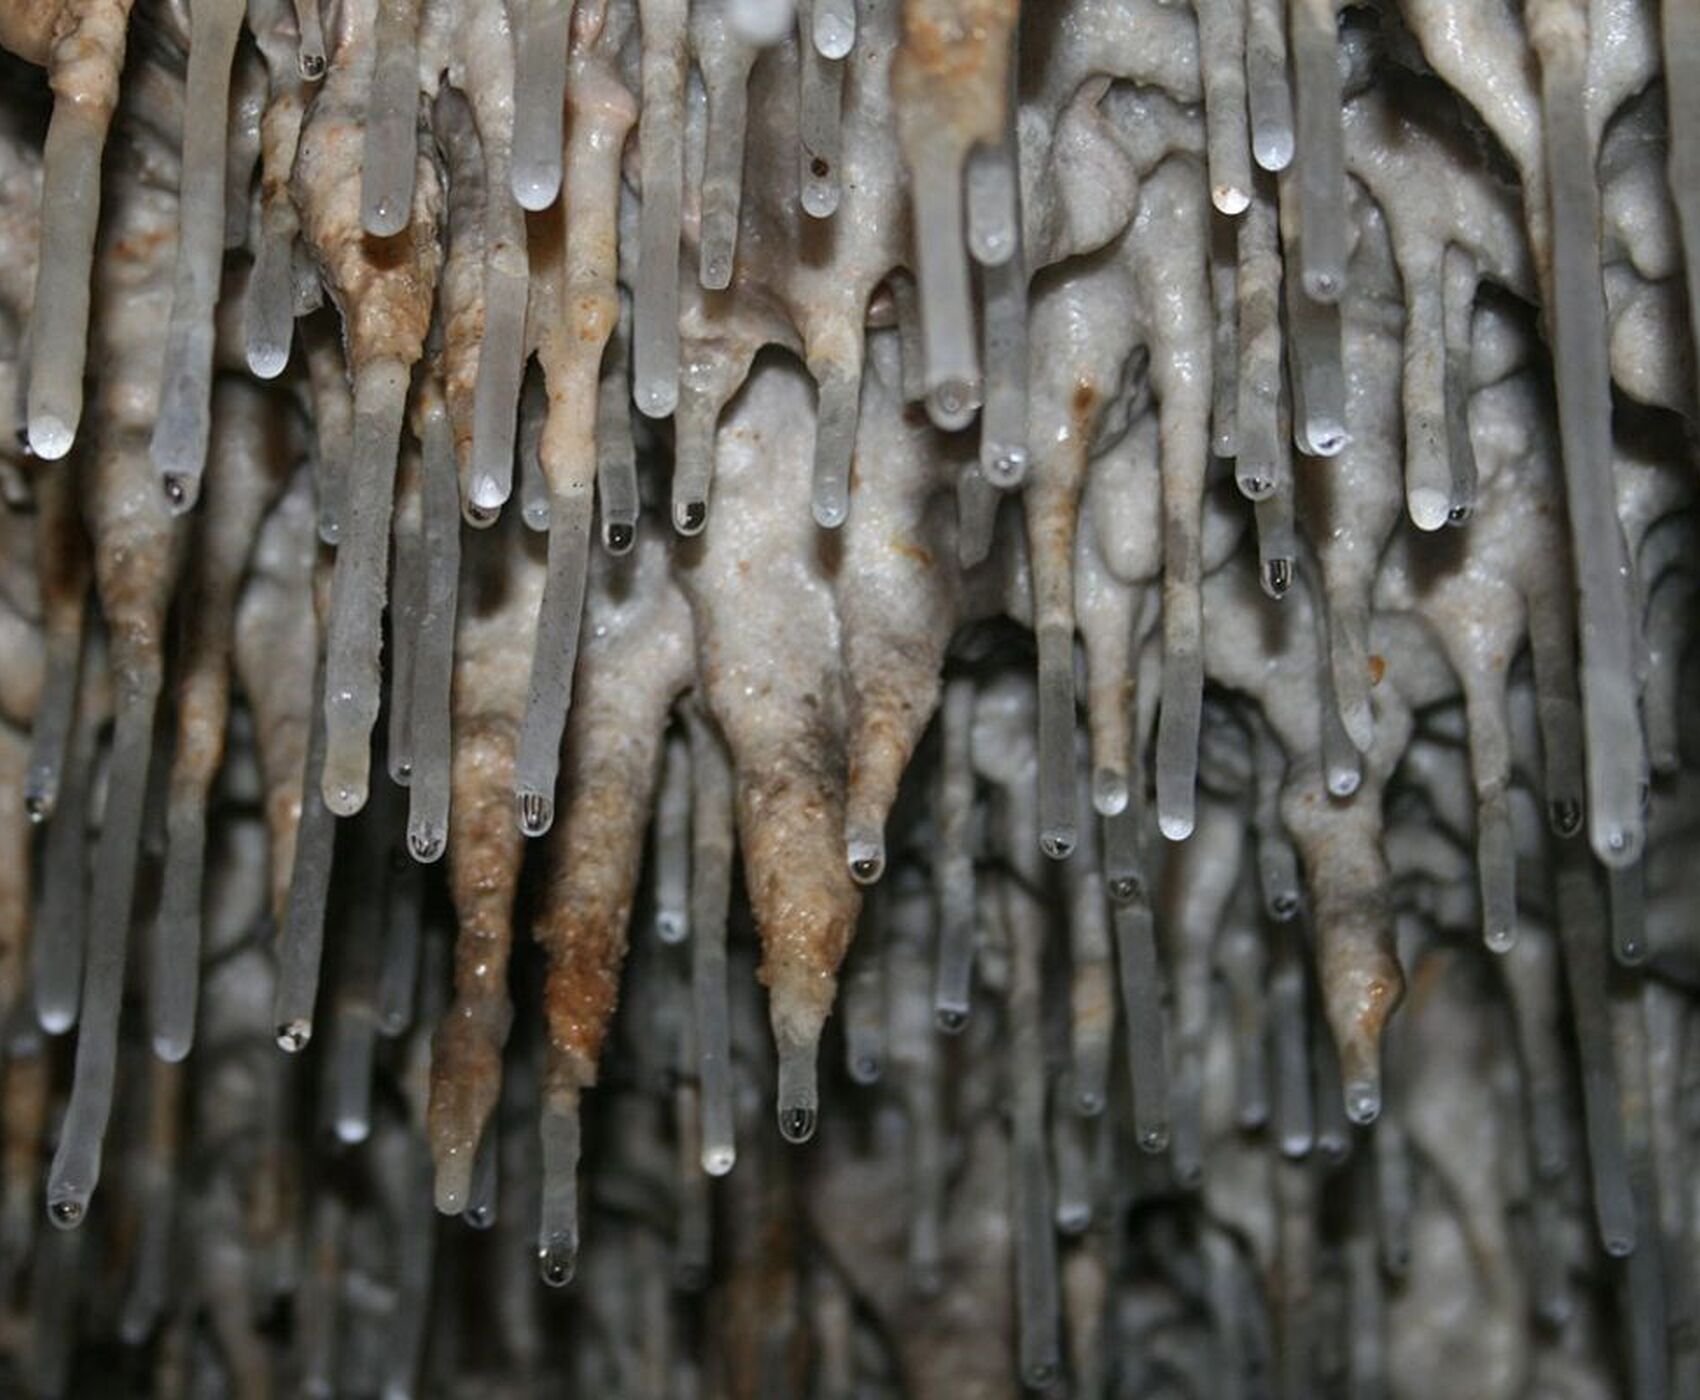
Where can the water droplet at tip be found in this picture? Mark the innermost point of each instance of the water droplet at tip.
(1005, 467)
(1058, 844)
(536, 813)
(180, 490)
(618, 537)
(1363, 1102)
(555, 1264)
(717, 1161)
(951, 405)
(171, 1049)
(267, 361)
(1109, 792)
(797, 1124)
(535, 190)
(1428, 508)
(425, 845)
(294, 1035)
(50, 437)
(867, 862)
(951, 1019)
(1175, 826)
(66, 1212)
(690, 516)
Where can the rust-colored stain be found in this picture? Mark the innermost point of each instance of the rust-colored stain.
(1377, 667)
(912, 551)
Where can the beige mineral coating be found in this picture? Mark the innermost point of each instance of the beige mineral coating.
(898, 597)
(637, 658)
(501, 591)
(460, 299)
(249, 461)
(382, 287)
(771, 678)
(137, 542)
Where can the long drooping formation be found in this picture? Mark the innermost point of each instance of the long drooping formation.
(1089, 603)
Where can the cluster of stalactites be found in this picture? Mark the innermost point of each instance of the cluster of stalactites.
(1204, 345)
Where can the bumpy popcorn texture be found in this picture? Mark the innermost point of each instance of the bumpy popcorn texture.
(1121, 569)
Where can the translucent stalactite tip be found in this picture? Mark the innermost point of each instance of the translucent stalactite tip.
(834, 30)
(796, 1122)
(1619, 846)
(425, 842)
(1175, 826)
(1109, 792)
(1363, 1101)
(1058, 842)
(453, 1183)
(1004, 466)
(1230, 200)
(67, 1211)
(1429, 508)
(487, 496)
(556, 1263)
(866, 858)
(690, 516)
(952, 1020)
(952, 403)
(719, 1160)
(181, 491)
(799, 1100)
(50, 437)
(536, 812)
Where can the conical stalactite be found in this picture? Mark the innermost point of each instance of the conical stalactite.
(927, 696)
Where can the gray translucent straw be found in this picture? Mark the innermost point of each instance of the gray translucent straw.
(433, 661)
(76, 1164)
